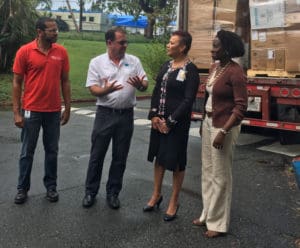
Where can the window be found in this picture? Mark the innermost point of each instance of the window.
(69, 16)
(91, 19)
(84, 18)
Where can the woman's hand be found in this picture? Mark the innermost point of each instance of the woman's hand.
(155, 122)
(163, 128)
(219, 140)
(160, 125)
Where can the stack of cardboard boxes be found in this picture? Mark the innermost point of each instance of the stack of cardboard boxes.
(206, 17)
(275, 35)
(269, 28)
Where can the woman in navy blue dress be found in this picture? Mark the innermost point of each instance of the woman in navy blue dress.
(171, 106)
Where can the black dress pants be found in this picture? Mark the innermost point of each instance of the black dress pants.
(116, 125)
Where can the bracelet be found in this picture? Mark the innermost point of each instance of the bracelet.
(223, 131)
(171, 122)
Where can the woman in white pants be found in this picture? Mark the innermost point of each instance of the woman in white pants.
(225, 105)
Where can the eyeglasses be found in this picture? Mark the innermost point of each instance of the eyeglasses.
(123, 42)
(51, 30)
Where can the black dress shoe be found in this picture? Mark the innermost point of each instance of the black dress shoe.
(169, 217)
(113, 201)
(88, 201)
(149, 208)
(52, 195)
(21, 196)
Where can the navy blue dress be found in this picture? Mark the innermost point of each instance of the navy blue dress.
(170, 150)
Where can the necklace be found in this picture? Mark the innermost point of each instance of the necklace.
(218, 71)
(180, 64)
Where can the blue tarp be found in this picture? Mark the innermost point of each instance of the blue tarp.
(129, 21)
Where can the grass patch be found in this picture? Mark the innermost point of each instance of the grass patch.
(5, 86)
(99, 36)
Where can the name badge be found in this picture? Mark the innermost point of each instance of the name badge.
(27, 114)
(181, 75)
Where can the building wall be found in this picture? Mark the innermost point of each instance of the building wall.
(92, 21)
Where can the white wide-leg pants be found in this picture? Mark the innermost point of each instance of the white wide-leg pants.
(217, 177)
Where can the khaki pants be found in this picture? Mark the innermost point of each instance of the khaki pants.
(217, 177)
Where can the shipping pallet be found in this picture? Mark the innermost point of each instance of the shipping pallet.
(281, 74)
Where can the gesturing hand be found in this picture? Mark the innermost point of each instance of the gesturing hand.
(136, 82)
(110, 87)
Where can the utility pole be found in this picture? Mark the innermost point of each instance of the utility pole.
(80, 15)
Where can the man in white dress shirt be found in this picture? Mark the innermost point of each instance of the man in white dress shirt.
(113, 78)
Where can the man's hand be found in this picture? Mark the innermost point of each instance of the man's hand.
(19, 121)
(137, 82)
(111, 87)
(65, 116)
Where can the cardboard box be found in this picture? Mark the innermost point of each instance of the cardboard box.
(268, 38)
(200, 13)
(292, 19)
(292, 56)
(266, 14)
(200, 52)
(280, 59)
(268, 59)
(292, 6)
(259, 59)
(204, 22)
(226, 11)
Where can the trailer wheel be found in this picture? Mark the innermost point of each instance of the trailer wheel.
(283, 137)
(289, 137)
(292, 114)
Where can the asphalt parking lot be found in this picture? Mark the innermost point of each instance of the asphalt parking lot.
(265, 207)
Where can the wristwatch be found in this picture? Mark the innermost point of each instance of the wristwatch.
(141, 88)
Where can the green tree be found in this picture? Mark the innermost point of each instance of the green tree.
(98, 5)
(162, 11)
(17, 26)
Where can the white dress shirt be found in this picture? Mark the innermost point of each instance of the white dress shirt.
(101, 68)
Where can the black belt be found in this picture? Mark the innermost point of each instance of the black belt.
(209, 114)
(114, 110)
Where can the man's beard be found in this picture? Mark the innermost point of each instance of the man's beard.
(51, 40)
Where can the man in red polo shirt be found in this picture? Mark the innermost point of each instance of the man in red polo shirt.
(41, 70)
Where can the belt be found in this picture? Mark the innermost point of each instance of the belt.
(114, 110)
(209, 114)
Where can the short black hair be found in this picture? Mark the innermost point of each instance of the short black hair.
(111, 33)
(231, 43)
(41, 22)
(185, 39)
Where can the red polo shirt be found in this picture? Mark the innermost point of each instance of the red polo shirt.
(42, 76)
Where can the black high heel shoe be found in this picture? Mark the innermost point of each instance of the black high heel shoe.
(149, 208)
(168, 217)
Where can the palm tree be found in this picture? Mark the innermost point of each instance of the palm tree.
(17, 26)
